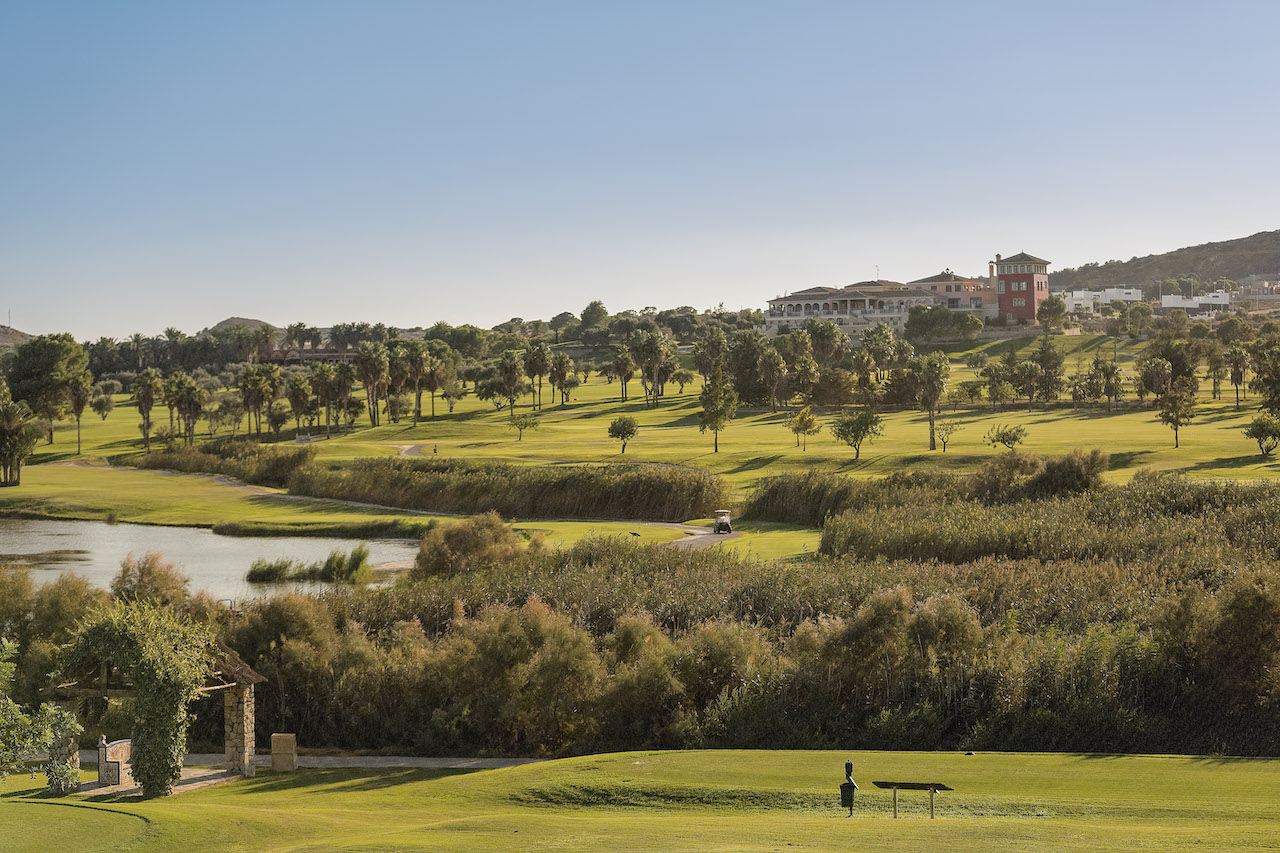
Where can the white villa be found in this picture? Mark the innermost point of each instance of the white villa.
(1219, 300)
(855, 307)
(1088, 301)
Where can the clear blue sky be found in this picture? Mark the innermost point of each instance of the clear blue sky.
(169, 163)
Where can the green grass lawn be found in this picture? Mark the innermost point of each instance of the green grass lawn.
(756, 445)
(156, 497)
(690, 801)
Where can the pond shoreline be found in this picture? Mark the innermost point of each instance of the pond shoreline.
(215, 563)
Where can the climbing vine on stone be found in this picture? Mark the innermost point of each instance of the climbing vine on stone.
(167, 659)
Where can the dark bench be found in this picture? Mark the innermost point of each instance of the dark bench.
(931, 787)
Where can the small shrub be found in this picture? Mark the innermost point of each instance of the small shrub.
(469, 544)
(271, 571)
(149, 578)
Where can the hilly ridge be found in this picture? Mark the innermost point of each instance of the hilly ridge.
(11, 337)
(1258, 254)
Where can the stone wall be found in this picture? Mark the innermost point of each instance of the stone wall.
(238, 714)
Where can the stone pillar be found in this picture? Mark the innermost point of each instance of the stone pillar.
(237, 710)
(284, 753)
(65, 750)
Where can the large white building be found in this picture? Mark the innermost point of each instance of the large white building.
(853, 307)
(1088, 301)
(1219, 300)
(859, 306)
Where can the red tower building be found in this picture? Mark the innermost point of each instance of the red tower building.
(1022, 283)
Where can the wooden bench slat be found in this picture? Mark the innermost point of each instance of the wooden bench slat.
(914, 786)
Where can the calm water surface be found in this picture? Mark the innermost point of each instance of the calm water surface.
(216, 564)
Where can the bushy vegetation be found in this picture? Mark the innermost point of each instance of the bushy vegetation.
(241, 458)
(578, 491)
(1163, 519)
(481, 541)
(390, 528)
(167, 660)
(810, 497)
(609, 645)
(1143, 617)
(353, 568)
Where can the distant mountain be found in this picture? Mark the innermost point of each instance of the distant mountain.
(11, 337)
(232, 322)
(1230, 259)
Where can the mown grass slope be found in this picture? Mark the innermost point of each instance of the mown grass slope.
(694, 801)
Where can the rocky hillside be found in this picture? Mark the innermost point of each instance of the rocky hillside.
(232, 322)
(1230, 259)
(11, 337)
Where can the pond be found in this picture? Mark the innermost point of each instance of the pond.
(216, 564)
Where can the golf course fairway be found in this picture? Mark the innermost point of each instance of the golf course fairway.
(730, 800)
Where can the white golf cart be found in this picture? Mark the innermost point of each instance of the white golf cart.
(721, 524)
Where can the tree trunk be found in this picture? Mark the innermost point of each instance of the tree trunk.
(933, 444)
(716, 445)
(77, 435)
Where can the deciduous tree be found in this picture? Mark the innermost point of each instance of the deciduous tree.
(857, 427)
(1178, 406)
(623, 429)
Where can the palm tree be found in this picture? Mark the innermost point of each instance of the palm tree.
(651, 350)
(324, 381)
(435, 377)
(344, 379)
(372, 366)
(562, 368)
(298, 392)
(932, 373)
(19, 434)
(136, 341)
(147, 386)
(415, 356)
(294, 335)
(510, 375)
(772, 367)
(190, 400)
(537, 361)
(1237, 363)
(79, 392)
(624, 367)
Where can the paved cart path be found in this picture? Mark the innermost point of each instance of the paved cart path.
(216, 759)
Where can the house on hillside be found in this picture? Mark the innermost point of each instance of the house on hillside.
(1022, 283)
(853, 308)
(1219, 300)
(1089, 301)
(972, 295)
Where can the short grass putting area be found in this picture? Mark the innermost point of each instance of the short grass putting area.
(730, 800)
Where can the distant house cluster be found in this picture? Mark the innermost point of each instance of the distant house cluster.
(1089, 301)
(1013, 290)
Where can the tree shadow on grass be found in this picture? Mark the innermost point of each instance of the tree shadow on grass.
(754, 464)
(1128, 458)
(343, 780)
(1252, 460)
(1223, 416)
